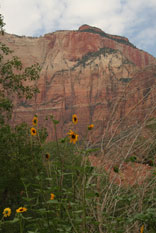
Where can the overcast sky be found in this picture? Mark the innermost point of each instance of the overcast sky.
(135, 19)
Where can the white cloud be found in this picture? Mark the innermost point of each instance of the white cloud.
(121, 17)
(21, 17)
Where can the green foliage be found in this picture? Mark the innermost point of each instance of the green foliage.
(125, 80)
(133, 159)
(12, 81)
(88, 56)
(20, 156)
(151, 124)
(84, 200)
(13, 78)
(116, 169)
(32, 177)
(2, 24)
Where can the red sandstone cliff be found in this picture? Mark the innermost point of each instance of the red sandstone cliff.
(102, 78)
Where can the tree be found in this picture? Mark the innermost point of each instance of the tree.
(2, 24)
(16, 146)
(13, 78)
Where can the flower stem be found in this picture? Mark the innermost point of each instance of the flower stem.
(21, 225)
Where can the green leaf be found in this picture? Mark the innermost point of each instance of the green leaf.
(49, 178)
(14, 220)
(52, 202)
(33, 231)
(78, 211)
(55, 122)
(42, 210)
(26, 218)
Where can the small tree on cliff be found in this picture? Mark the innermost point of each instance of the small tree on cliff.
(13, 78)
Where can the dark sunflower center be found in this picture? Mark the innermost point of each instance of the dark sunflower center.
(35, 121)
(33, 131)
(73, 136)
(75, 119)
(21, 209)
(6, 211)
(47, 156)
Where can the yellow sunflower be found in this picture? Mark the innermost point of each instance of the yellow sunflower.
(7, 212)
(74, 119)
(21, 210)
(52, 196)
(35, 120)
(33, 131)
(73, 136)
(90, 127)
(142, 229)
(47, 156)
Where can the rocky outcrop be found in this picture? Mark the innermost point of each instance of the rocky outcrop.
(130, 174)
(102, 78)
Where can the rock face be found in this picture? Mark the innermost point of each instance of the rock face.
(102, 78)
(130, 173)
